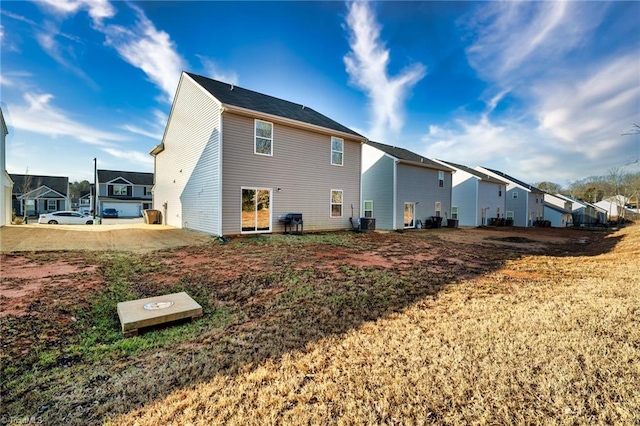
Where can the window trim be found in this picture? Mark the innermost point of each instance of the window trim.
(331, 203)
(440, 179)
(508, 214)
(341, 151)
(55, 205)
(454, 212)
(365, 210)
(255, 138)
(438, 208)
(514, 195)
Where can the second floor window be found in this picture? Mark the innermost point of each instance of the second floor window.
(119, 189)
(263, 137)
(440, 179)
(337, 151)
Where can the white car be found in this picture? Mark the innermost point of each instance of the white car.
(65, 218)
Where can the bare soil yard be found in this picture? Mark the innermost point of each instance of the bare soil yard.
(447, 326)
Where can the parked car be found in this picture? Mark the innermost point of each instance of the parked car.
(109, 213)
(65, 218)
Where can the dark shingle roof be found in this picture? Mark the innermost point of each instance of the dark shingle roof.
(483, 176)
(237, 96)
(514, 180)
(405, 154)
(57, 183)
(136, 178)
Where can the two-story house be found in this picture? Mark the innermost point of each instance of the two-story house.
(558, 210)
(400, 188)
(477, 198)
(6, 184)
(234, 161)
(524, 203)
(130, 193)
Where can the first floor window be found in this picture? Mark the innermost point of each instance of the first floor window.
(51, 205)
(368, 208)
(497, 211)
(438, 208)
(337, 151)
(509, 215)
(336, 203)
(441, 179)
(454, 212)
(263, 137)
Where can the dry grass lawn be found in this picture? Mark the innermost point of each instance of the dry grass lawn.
(488, 332)
(544, 340)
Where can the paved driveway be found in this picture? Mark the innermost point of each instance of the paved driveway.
(114, 234)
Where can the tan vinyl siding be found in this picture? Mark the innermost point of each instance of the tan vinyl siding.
(300, 167)
(187, 172)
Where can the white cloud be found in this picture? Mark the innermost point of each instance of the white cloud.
(38, 115)
(150, 50)
(136, 157)
(151, 129)
(215, 71)
(367, 64)
(97, 9)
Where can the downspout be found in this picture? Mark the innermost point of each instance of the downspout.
(477, 195)
(395, 193)
(220, 163)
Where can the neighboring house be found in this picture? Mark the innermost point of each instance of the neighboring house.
(585, 213)
(476, 197)
(524, 203)
(400, 188)
(233, 161)
(130, 193)
(34, 194)
(5, 180)
(558, 210)
(615, 206)
(83, 203)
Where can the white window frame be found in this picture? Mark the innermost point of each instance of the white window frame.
(331, 203)
(258, 231)
(255, 138)
(514, 195)
(508, 214)
(119, 186)
(50, 203)
(440, 179)
(341, 151)
(365, 209)
(454, 212)
(438, 208)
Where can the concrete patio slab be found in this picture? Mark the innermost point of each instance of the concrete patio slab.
(141, 313)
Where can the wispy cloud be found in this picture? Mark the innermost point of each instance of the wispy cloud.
(367, 64)
(39, 115)
(215, 71)
(152, 129)
(150, 50)
(136, 157)
(569, 106)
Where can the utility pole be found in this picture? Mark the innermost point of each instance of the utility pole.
(95, 188)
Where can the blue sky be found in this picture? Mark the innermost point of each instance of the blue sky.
(539, 90)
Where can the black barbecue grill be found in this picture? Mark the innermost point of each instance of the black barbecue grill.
(291, 220)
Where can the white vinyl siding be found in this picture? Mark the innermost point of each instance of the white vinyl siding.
(337, 151)
(187, 172)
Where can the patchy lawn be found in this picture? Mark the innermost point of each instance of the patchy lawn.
(432, 326)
